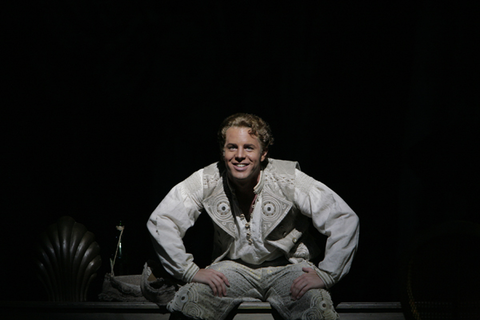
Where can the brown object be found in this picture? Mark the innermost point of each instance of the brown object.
(67, 259)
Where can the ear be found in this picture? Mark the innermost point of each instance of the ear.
(264, 155)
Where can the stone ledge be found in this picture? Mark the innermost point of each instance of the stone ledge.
(46, 310)
(152, 307)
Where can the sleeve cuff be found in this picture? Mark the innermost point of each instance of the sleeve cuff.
(326, 278)
(190, 272)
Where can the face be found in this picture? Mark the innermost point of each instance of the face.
(243, 155)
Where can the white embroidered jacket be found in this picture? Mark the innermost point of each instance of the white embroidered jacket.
(288, 201)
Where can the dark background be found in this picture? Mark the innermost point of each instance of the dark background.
(108, 104)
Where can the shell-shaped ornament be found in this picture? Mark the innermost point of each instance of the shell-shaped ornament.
(67, 260)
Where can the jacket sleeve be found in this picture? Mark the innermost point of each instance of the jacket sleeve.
(333, 218)
(168, 223)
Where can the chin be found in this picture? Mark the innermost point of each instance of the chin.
(240, 177)
(244, 176)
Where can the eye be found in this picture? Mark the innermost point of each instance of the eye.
(231, 147)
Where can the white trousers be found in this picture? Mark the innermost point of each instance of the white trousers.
(271, 284)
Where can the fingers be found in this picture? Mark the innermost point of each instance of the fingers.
(308, 280)
(223, 278)
(218, 283)
(216, 280)
(299, 286)
(221, 283)
(216, 287)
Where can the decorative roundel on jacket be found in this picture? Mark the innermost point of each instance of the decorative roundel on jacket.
(269, 208)
(223, 208)
(220, 211)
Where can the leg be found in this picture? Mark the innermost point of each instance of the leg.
(196, 300)
(315, 304)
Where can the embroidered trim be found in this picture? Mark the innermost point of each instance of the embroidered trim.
(190, 272)
(274, 210)
(220, 211)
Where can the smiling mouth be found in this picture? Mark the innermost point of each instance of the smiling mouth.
(241, 165)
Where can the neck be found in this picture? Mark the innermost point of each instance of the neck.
(245, 188)
(245, 196)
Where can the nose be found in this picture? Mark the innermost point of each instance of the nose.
(240, 154)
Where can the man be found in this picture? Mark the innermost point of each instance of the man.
(262, 209)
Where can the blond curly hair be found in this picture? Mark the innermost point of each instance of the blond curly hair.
(258, 127)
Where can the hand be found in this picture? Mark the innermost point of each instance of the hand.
(215, 279)
(308, 280)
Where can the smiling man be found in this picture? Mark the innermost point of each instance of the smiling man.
(261, 209)
(242, 154)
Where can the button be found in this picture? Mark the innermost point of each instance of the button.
(294, 240)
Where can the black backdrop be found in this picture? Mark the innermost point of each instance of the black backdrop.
(108, 104)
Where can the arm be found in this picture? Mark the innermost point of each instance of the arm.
(168, 223)
(332, 217)
(177, 212)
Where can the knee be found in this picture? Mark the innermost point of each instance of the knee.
(187, 299)
(320, 303)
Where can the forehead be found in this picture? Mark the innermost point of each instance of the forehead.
(239, 135)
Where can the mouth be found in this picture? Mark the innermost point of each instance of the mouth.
(240, 166)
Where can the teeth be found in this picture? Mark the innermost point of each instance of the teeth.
(241, 165)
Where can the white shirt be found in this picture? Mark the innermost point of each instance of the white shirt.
(330, 215)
